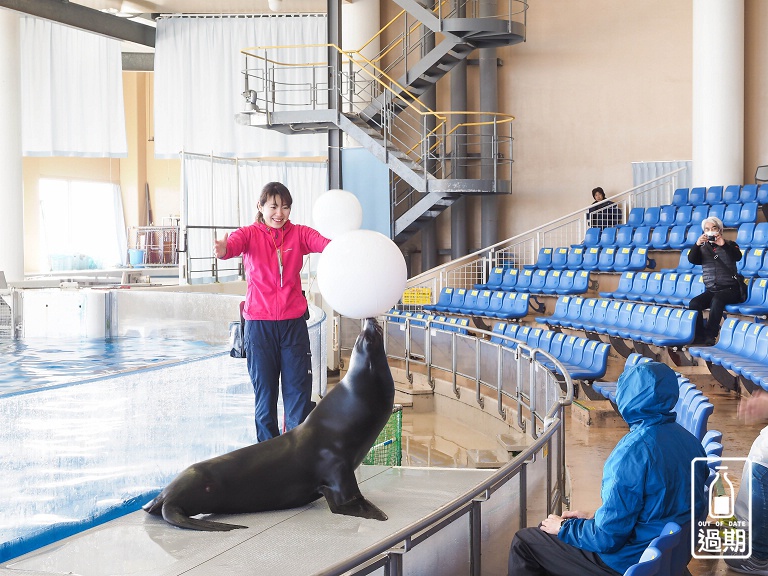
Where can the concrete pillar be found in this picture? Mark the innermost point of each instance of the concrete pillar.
(11, 191)
(718, 92)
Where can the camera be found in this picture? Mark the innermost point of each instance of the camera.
(711, 238)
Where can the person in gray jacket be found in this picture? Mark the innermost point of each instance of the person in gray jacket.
(722, 288)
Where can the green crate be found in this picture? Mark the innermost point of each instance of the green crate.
(388, 449)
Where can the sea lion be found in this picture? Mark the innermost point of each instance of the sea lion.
(317, 458)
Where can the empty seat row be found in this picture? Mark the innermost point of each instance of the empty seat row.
(751, 234)
(419, 319)
(721, 195)
(742, 348)
(671, 288)
(494, 304)
(582, 358)
(608, 258)
(756, 303)
(651, 324)
(552, 281)
(753, 262)
(732, 214)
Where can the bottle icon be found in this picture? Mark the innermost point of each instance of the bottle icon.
(722, 498)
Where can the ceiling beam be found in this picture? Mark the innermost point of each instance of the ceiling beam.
(88, 19)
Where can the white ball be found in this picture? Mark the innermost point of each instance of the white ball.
(336, 212)
(361, 274)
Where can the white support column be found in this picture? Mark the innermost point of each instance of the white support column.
(718, 92)
(11, 190)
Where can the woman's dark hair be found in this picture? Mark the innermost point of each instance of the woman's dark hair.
(273, 189)
(596, 190)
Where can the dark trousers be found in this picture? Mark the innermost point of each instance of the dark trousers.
(716, 302)
(536, 553)
(279, 349)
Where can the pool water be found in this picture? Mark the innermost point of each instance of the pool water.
(35, 363)
(93, 429)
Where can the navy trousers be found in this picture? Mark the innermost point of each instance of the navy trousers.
(536, 553)
(716, 302)
(279, 349)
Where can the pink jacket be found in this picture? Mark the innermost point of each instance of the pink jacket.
(258, 243)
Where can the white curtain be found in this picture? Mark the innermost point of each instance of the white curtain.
(223, 192)
(72, 92)
(199, 82)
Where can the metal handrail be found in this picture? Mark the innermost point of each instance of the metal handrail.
(394, 546)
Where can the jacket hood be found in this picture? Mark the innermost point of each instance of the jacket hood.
(646, 394)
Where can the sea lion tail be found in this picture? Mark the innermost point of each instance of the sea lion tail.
(154, 506)
(175, 516)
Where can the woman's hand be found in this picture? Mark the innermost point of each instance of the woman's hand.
(220, 246)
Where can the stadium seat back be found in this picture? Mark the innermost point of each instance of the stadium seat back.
(744, 235)
(731, 194)
(748, 193)
(680, 197)
(697, 196)
(667, 215)
(591, 258)
(509, 280)
(636, 216)
(714, 195)
(575, 258)
(660, 238)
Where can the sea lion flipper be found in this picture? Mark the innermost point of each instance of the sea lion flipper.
(175, 516)
(357, 505)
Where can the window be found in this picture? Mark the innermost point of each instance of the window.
(82, 224)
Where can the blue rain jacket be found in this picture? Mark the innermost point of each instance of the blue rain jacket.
(647, 477)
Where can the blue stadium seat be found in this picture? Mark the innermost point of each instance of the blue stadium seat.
(731, 193)
(756, 303)
(679, 330)
(638, 260)
(683, 265)
(585, 314)
(732, 215)
(714, 195)
(469, 303)
(498, 330)
(697, 196)
(693, 234)
(580, 283)
(677, 236)
(684, 215)
(680, 197)
(748, 193)
(667, 215)
(762, 194)
(744, 235)
(515, 305)
(483, 303)
(624, 235)
(538, 280)
(668, 287)
(642, 237)
(457, 301)
(559, 313)
(593, 362)
(600, 311)
(591, 259)
(592, 237)
(727, 332)
(660, 238)
(653, 287)
(699, 419)
(497, 301)
(623, 288)
(753, 261)
(573, 313)
(621, 260)
(636, 216)
(697, 287)
(559, 258)
(608, 237)
(622, 319)
(575, 258)
(669, 543)
(760, 236)
(606, 259)
(544, 260)
(648, 565)
(717, 211)
(639, 285)
(511, 332)
(495, 278)
(509, 280)
(533, 337)
(638, 318)
(651, 216)
(748, 212)
(551, 282)
(524, 280)
(443, 300)
(700, 212)
(394, 315)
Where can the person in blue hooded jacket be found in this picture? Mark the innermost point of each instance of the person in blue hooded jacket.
(646, 483)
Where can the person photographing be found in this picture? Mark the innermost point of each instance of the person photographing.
(717, 257)
(275, 336)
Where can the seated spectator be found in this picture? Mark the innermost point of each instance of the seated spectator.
(755, 409)
(646, 483)
(603, 213)
(717, 257)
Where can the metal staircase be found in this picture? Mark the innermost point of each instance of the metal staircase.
(386, 116)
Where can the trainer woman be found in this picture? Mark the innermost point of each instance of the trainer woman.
(276, 337)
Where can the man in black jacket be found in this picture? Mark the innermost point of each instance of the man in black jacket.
(718, 258)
